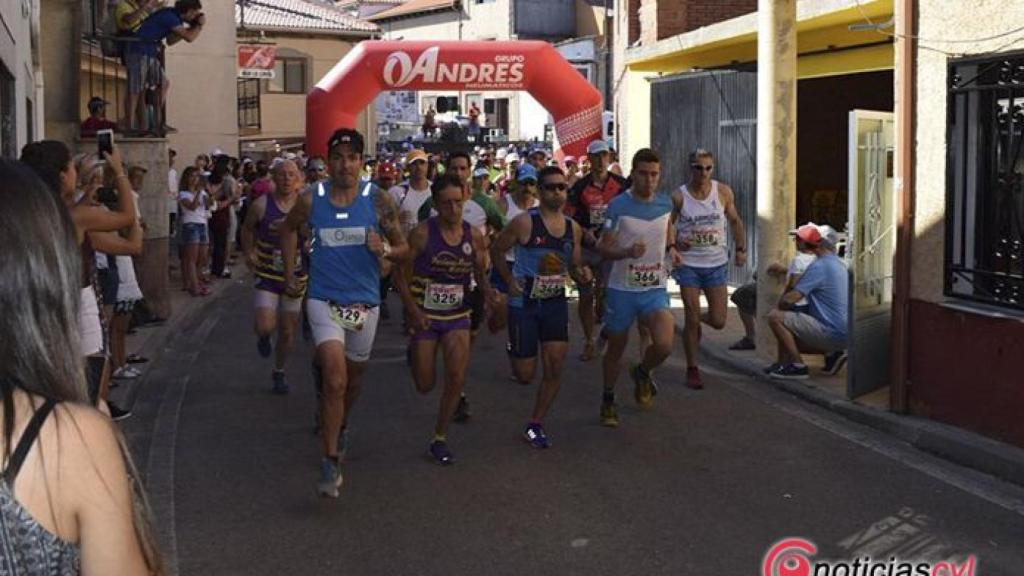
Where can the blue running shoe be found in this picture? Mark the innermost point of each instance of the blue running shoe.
(330, 478)
(280, 386)
(439, 451)
(535, 436)
(263, 346)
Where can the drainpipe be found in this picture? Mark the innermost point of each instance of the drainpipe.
(776, 152)
(900, 335)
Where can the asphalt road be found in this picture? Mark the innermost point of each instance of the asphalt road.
(704, 483)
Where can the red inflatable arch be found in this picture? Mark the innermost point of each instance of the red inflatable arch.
(375, 66)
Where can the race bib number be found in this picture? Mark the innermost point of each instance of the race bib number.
(704, 238)
(443, 297)
(548, 287)
(350, 317)
(597, 214)
(644, 275)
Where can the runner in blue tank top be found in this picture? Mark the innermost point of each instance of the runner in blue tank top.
(261, 244)
(638, 229)
(446, 254)
(547, 246)
(352, 225)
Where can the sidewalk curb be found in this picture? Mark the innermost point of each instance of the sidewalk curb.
(954, 444)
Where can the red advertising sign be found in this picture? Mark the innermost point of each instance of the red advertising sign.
(256, 60)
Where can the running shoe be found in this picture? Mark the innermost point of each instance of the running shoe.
(609, 415)
(834, 362)
(263, 346)
(330, 478)
(693, 380)
(439, 451)
(643, 390)
(125, 373)
(790, 372)
(743, 344)
(280, 386)
(771, 367)
(462, 410)
(535, 436)
(117, 413)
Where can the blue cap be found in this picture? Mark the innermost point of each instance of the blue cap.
(526, 172)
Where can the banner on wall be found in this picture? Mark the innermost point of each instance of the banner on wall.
(256, 60)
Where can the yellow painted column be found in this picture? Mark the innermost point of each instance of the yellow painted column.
(776, 151)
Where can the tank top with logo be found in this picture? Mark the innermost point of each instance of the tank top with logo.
(442, 274)
(342, 269)
(542, 264)
(702, 223)
(270, 266)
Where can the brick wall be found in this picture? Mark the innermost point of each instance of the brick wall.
(660, 19)
(702, 13)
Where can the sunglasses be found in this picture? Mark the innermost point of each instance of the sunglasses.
(558, 186)
(700, 167)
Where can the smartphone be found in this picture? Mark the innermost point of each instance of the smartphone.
(105, 141)
(107, 196)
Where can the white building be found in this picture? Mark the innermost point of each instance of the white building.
(21, 78)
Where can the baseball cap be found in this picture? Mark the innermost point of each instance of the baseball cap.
(538, 151)
(526, 172)
(501, 154)
(316, 164)
(569, 160)
(95, 103)
(512, 157)
(414, 155)
(808, 233)
(597, 147)
(346, 136)
(829, 235)
(480, 173)
(387, 169)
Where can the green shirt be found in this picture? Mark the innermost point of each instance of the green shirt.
(481, 211)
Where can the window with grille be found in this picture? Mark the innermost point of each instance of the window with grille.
(249, 104)
(985, 181)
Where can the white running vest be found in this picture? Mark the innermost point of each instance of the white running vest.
(702, 223)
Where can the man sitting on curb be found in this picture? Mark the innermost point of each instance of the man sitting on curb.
(745, 297)
(822, 329)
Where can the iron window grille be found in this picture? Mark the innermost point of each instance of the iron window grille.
(984, 258)
(249, 104)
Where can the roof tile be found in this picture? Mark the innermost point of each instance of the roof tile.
(299, 15)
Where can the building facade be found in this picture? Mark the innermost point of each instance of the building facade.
(309, 39)
(21, 78)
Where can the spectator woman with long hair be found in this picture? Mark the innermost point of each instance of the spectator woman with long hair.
(52, 162)
(194, 234)
(70, 500)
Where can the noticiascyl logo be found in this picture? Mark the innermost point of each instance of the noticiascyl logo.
(793, 557)
(400, 69)
(789, 557)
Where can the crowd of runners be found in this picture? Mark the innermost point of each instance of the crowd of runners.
(465, 248)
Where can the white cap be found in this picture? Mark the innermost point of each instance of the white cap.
(513, 157)
(501, 154)
(829, 234)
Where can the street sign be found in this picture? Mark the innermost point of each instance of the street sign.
(256, 61)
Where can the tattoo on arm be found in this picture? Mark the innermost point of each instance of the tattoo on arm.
(387, 217)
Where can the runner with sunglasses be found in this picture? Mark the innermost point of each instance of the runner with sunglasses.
(547, 250)
(701, 208)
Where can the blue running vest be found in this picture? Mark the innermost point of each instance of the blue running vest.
(341, 268)
(544, 255)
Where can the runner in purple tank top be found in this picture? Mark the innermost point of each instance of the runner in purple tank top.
(261, 243)
(446, 253)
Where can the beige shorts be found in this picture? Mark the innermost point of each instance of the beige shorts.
(812, 333)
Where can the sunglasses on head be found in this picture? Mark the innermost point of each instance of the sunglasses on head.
(701, 167)
(555, 186)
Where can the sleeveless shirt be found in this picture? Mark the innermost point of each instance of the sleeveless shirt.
(442, 274)
(543, 262)
(26, 547)
(513, 211)
(702, 224)
(270, 266)
(342, 269)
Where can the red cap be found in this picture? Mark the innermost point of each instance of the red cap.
(387, 169)
(809, 233)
